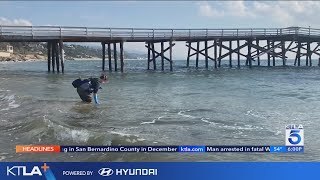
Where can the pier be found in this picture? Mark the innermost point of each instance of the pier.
(250, 44)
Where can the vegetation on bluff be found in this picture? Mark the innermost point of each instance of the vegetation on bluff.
(36, 50)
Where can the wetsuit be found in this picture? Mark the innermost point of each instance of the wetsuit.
(88, 86)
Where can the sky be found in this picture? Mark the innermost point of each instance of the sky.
(162, 14)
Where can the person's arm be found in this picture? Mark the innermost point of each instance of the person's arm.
(95, 86)
(95, 97)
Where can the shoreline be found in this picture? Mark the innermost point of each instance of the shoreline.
(26, 59)
(22, 58)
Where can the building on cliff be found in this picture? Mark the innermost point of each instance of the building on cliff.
(7, 52)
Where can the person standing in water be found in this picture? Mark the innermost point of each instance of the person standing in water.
(89, 86)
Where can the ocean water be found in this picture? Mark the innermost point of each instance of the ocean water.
(226, 106)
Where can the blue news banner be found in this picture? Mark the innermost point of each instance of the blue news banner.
(160, 171)
(166, 170)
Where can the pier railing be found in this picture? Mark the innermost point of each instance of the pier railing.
(138, 33)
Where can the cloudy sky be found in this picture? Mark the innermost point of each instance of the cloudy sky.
(167, 14)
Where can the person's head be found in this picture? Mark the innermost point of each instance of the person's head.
(103, 78)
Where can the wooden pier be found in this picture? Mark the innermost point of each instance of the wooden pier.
(219, 44)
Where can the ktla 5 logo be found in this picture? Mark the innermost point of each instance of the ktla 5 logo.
(294, 135)
(24, 171)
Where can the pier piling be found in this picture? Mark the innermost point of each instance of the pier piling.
(308, 56)
(230, 56)
(197, 55)
(273, 54)
(268, 53)
(171, 61)
(103, 55)
(53, 56)
(220, 52)
(206, 53)
(215, 53)
(61, 55)
(121, 56)
(283, 47)
(188, 58)
(162, 56)
(154, 57)
(49, 46)
(249, 57)
(115, 56)
(109, 56)
(238, 52)
(148, 46)
(258, 52)
(299, 53)
(57, 56)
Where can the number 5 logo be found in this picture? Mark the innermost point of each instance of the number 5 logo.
(294, 134)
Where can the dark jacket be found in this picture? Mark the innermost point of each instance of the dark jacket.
(90, 85)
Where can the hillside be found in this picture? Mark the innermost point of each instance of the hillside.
(34, 50)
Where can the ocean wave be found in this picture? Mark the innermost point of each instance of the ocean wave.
(65, 133)
(78, 136)
(122, 134)
(10, 101)
(3, 156)
(153, 121)
(181, 113)
(234, 127)
(46, 129)
(206, 121)
(257, 115)
(245, 127)
(14, 128)
(277, 133)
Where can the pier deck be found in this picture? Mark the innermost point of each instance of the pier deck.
(291, 39)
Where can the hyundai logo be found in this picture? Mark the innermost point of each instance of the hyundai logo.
(105, 172)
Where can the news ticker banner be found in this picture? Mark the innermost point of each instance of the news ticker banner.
(294, 142)
(159, 149)
(160, 171)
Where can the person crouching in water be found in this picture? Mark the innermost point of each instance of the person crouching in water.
(88, 86)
